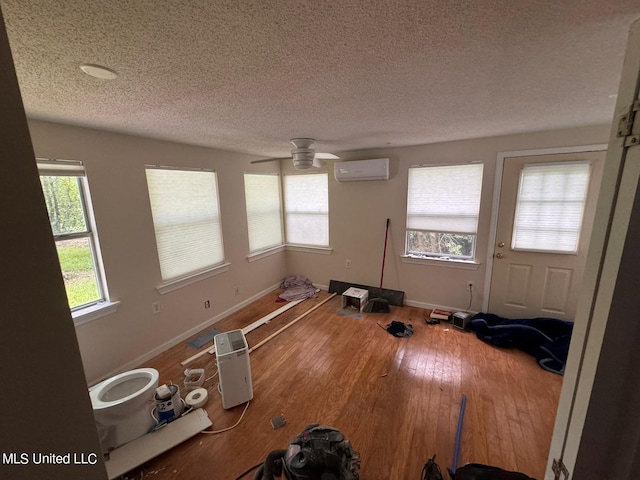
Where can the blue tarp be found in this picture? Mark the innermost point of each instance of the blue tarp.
(547, 339)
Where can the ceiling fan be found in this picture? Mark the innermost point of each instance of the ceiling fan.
(303, 156)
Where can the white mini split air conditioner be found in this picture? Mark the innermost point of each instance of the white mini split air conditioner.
(359, 170)
(234, 369)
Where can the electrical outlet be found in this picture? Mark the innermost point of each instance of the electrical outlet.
(207, 304)
(470, 285)
(236, 290)
(348, 263)
(156, 308)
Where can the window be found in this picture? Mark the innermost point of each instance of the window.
(66, 195)
(264, 211)
(307, 209)
(442, 211)
(186, 218)
(550, 207)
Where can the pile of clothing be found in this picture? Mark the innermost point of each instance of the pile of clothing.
(400, 329)
(297, 287)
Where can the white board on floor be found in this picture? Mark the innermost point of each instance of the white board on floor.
(135, 453)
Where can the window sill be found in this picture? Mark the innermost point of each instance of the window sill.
(172, 285)
(252, 257)
(441, 262)
(309, 249)
(93, 312)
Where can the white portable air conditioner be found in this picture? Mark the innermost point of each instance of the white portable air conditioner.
(359, 170)
(234, 369)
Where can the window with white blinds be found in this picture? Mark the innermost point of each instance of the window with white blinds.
(186, 218)
(550, 207)
(442, 210)
(264, 211)
(306, 201)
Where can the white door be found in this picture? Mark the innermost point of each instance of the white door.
(539, 258)
(613, 213)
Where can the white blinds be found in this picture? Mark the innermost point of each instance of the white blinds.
(186, 218)
(307, 209)
(550, 206)
(264, 213)
(67, 168)
(444, 198)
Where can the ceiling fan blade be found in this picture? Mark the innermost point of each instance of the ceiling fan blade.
(327, 156)
(264, 160)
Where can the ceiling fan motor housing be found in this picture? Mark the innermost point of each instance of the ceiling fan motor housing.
(302, 158)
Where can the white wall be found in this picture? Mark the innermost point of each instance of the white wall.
(114, 165)
(358, 212)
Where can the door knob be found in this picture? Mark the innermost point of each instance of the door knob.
(501, 244)
(499, 255)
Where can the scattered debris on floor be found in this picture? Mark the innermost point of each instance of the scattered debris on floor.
(145, 475)
(349, 312)
(278, 422)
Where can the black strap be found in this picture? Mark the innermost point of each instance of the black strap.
(431, 470)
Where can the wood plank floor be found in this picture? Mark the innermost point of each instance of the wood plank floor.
(396, 399)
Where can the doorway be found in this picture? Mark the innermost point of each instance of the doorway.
(545, 216)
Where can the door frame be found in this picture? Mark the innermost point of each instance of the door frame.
(581, 331)
(592, 422)
(497, 190)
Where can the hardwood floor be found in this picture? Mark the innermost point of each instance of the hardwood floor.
(396, 399)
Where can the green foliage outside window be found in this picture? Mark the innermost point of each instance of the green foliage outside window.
(63, 197)
(64, 204)
(439, 244)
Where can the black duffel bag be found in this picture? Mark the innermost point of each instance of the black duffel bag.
(477, 471)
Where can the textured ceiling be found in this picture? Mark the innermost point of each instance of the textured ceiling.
(249, 75)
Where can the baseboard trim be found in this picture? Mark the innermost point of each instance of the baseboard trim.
(136, 362)
(431, 306)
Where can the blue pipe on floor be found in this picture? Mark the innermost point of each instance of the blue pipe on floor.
(456, 447)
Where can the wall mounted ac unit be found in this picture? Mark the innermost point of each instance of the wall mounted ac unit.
(234, 369)
(359, 170)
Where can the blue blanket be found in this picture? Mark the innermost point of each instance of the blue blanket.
(547, 339)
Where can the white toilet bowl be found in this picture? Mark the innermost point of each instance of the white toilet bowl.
(122, 406)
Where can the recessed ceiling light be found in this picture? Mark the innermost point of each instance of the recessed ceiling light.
(99, 71)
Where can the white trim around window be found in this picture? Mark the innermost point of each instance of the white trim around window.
(175, 284)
